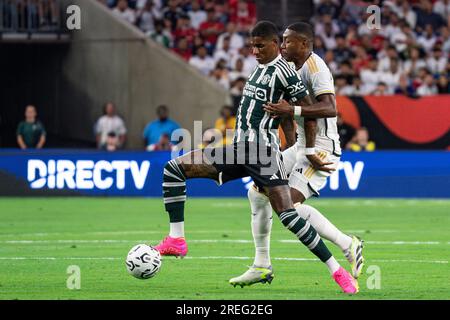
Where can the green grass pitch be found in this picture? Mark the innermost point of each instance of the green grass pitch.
(408, 241)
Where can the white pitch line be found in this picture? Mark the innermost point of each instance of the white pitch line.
(131, 232)
(225, 258)
(69, 241)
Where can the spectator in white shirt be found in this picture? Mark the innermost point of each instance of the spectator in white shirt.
(445, 38)
(236, 40)
(428, 87)
(385, 62)
(157, 4)
(393, 27)
(110, 123)
(226, 53)
(358, 88)
(249, 60)
(123, 11)
(392, 77)
(370, 76)
(381, 90)
(147, 16)
(442, 7)
(341, 86)
(329, 36)
(204, 63)
(437, 62)
(321, 26)
(402, 39)
(238, 71)
(197, 15)
(427, 40)
(414, 63)
(220, 76)
(405, 12)
(331, 63)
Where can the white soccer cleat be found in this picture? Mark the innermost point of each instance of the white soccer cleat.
(253, 275)
(355, 257)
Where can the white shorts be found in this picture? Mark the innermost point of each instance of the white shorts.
(302, 175)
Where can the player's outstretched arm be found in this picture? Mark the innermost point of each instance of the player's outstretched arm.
(324, 108)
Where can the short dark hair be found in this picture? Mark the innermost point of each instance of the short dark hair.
(265, 29)
(162, 107)
(304, 29)
(106, 105)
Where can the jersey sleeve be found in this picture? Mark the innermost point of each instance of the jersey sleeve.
(322, 82)
(292, 86)
(319, 77)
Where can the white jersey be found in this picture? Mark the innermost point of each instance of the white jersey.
(317, 78)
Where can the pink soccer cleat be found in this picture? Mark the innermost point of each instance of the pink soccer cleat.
(347, 283)
(172, 247)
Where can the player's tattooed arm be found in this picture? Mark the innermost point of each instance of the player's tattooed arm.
(324, 108)
(310, 127)
(287, 124)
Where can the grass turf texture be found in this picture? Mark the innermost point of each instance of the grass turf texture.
(407, 239)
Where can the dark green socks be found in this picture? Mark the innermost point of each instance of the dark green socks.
(305, 233)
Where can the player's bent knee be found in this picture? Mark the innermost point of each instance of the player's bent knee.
(297, 196)
(280, 198)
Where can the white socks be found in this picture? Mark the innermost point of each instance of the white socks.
(176, 229)
(332, 265)
(323, 226)
(261, 227)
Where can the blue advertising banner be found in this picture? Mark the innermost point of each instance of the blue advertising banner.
(95, 173)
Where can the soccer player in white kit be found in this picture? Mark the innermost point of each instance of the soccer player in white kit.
(309, 161)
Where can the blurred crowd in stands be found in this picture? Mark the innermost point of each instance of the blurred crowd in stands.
(210, 35)
(408, 54)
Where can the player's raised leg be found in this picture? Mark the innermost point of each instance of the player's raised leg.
(351, 246)
(309, 237)
(176, 172)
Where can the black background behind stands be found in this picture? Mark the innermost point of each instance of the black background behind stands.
(31, 74)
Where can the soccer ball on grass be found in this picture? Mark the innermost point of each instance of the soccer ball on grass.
(143, 261)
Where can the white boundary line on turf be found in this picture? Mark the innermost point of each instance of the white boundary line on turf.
(223, 258)
(131, 232)
(73, 241)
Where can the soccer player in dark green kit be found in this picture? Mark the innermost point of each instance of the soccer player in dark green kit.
(254, 152)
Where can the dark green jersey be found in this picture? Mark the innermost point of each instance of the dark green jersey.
(268, 82)
(31, 132)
